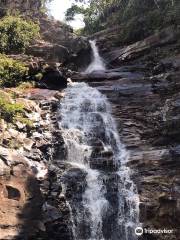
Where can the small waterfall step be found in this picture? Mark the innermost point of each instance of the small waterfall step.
(97, 62)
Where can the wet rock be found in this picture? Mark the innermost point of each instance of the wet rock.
(53, 79)
(51, 213)
(105, 164)
(147, 111)
(105, 75)
(74, 179)
(173, 61)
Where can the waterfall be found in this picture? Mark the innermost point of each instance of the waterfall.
(105, 203)
(97, 62)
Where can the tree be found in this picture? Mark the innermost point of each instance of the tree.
(99, 14)
(72, 11)
(16, 34)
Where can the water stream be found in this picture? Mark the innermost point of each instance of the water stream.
(103, 199)
(97, 63)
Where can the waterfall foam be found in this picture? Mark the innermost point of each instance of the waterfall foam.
(97, 63)
(90, 132)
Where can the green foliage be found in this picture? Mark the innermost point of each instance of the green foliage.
(138, 18)
(9, 110)
(12, 71)
(16, 34)
(23, 120)
(79, 31)
(146, 20)
(139, 28)
(72, 11)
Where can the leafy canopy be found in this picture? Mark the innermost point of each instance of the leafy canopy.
(100, 14)
(16, 34)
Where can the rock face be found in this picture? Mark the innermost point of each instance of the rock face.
(165, 36)
(48, 51)
(58, 43)
(146, 108)
(29, 190)
(62, 34)
(153, 144)
(53, 79)
(143, 88)
(108, 38)
(25, 7)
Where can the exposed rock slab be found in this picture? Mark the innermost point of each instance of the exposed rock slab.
(106, 75)
(48, 51)
(147, 111)
(137, 49)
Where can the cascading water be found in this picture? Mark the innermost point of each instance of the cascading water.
(105, 202)
(97, 62)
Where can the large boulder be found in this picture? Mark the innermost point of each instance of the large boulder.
(48, 51)
(53, 79)
(59, 44)
(57, 32)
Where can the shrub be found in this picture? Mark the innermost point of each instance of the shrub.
(12, 72)
(8, 109)
(16, 34)
(12, 111)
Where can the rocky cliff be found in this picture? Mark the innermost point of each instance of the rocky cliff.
(31, 207)
(142, 84)
(25, 7)
(143, 87)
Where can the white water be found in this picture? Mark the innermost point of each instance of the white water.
(97, 62)
(77, 124)
(85, 118)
